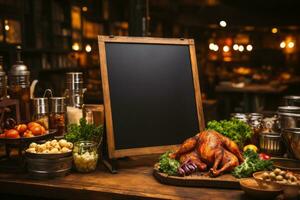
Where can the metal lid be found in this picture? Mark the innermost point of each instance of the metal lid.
(292, 97)
(2, 72)
(19, 69)
(289, 109)
(255, 116)
(58, 104)
(40, 105)
(291, 130)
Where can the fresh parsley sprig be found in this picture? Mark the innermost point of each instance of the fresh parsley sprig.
(84, 131)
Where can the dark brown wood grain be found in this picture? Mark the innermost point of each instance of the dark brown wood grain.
(134, 181)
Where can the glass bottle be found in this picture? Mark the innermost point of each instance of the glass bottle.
(19, 86)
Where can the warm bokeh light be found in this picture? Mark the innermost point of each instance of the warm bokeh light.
(6, 27)
(249, 47)
(223, 23)
(241, 48)
(88, 48)
(274, 30)
(226, 48)
(216, 47)
(84, 9)
(235, 47)
(211, 46)
(282, 44)
(75, 46)
(291, 45)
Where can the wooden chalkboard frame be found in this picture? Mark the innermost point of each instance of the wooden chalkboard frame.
(112, 151)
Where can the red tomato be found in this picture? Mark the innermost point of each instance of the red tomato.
(264, 156)
(32, 124)
(12, 133)
(28, 134)
(36, 130)
(21, 128)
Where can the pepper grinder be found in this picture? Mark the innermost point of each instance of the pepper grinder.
(19, 85)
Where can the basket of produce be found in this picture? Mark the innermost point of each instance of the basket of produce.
(50, 159)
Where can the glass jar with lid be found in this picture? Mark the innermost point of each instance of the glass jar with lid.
(58, 115)
(85, 155)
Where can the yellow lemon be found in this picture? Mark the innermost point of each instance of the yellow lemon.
(251, 147)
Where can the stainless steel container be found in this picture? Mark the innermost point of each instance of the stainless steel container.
(48, 165)
(41, 111)
(292, 100)
(240, 116)
(289, 117)
(291, 138)
(74, 92)
(271, 143)
(19, 86)
(40, 105)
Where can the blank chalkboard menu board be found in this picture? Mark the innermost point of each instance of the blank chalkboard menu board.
(151, 93)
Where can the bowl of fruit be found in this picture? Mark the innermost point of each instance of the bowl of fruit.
(29, 132)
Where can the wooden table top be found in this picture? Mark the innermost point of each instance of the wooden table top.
(133, 181)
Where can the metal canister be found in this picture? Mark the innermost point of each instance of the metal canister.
(58, 114)
(19, 85)
(74, 89)
(240, 116)
(292, 100)
(289, 117)
(41, 111)
(3, 80)
(271, 143)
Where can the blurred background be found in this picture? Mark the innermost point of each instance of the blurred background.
(247, 51)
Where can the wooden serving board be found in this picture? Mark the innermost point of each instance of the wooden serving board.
(198, 180)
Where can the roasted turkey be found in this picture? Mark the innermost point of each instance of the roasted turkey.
(210, 149)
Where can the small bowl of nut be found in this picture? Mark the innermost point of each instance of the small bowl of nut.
(289, 181)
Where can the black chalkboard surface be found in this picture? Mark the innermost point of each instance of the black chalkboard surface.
(151, 93)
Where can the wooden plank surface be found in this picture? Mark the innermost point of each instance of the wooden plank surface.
(199, 180)
(134, 181)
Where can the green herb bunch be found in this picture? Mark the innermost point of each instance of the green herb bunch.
(168, 165)
(84, 131)
(251, 164)
(238, 131)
